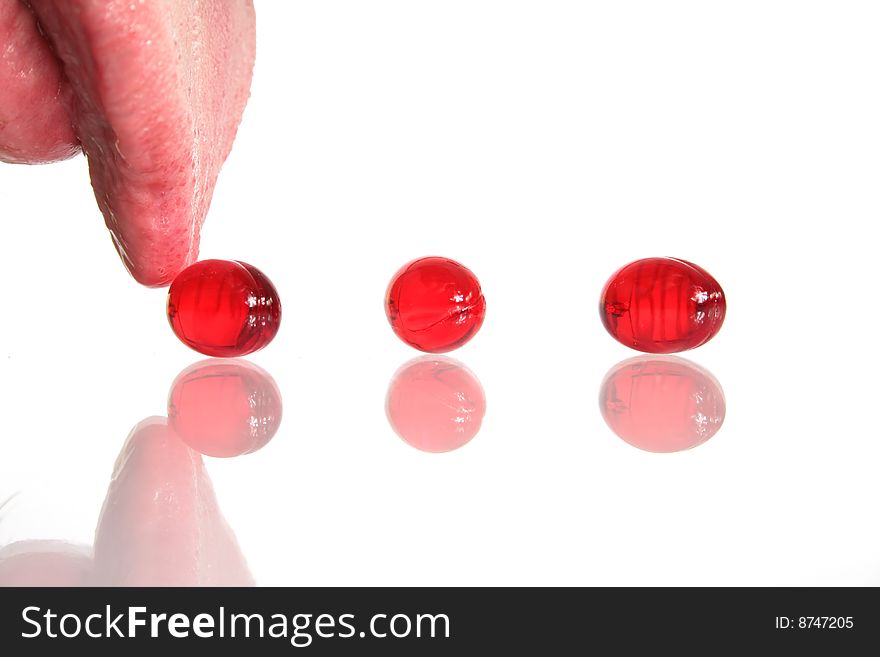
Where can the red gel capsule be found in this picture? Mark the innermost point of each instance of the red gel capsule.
(662, 305)
(435, 304)
(223, 308)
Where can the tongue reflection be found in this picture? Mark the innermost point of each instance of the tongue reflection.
(160, 524)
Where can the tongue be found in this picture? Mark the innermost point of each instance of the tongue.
(158, 90)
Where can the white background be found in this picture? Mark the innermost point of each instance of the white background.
(542, 144)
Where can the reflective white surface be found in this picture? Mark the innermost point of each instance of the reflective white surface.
(543, 145)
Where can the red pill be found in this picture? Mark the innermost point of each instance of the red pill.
(224, 407)
(435, 304)
(662, 305)
(223, 308)
(664, 404)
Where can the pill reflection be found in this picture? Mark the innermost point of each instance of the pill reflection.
(662, 404)
(435, 404)
(224, 407)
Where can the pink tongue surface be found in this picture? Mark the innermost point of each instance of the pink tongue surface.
(34, 94)
(158, 89)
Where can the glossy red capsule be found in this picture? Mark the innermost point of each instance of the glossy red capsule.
(662, 305)
(435, 304)
(223, 308)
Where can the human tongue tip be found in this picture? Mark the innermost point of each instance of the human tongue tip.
(156, 92)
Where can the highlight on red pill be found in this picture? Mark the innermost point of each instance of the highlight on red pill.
(662, 403)
(435, 304)
(662, 305)
(224, 407)
(223, 308)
